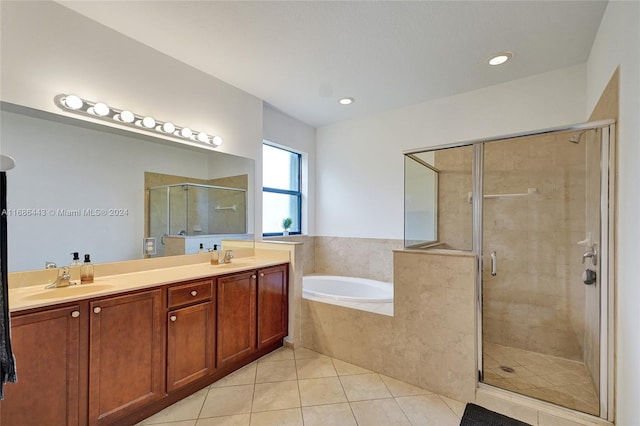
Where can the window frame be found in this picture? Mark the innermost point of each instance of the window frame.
(297, 194)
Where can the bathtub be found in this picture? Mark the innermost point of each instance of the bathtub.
(357, 293)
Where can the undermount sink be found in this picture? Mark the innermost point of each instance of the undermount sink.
(74, 290)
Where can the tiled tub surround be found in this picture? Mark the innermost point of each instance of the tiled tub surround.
(355, 257)
(350, 257)
(430, 340)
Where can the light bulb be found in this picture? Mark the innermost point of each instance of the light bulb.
(127, 116)
(148, 122)
(168, 127)
(203, 137)
(346, 101)
(186, 132)
(73, 102)
(500, 58)
(101, 109)
(216, 140)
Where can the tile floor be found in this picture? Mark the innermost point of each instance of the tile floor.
(544, 377)
(303, 387)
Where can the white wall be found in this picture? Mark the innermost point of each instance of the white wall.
(360, 162)
(283, 130)
(618, 44)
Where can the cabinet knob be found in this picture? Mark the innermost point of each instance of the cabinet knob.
(253, 277)
(262, 274)
(75, 314)
(194, 293)
(173, 318)
(97, 310)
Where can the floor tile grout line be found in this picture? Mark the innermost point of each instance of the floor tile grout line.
(299, 393)
(406, 416)
(203, 402)
(253, 393)
(448, 406)
(345, 395)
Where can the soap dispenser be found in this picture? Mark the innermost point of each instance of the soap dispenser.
(86, 271)
(74, 267)
(215, 255)
(201, 249)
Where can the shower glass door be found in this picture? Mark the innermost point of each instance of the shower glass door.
(541, 271)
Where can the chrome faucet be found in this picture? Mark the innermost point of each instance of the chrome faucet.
(50, 265)
(228, 255)
(63, 279)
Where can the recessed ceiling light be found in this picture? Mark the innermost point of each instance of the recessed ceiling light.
(346, 101)
(500, 58)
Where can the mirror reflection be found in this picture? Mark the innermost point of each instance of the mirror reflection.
(83, 187)
(439, 181)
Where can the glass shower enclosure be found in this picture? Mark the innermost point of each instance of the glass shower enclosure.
(195, 210)
(535, 208)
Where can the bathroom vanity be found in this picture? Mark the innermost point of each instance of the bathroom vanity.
(141, 341)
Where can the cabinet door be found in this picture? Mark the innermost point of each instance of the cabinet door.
(272, 304)
(236, 317)
(190, 344)
(126, 368)
(46, 346)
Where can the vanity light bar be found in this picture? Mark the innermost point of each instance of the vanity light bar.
(75, 104)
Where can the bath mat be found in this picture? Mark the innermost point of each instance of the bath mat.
(474, 415)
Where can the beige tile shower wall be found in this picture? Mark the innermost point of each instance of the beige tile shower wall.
(430, 342)
(356, 257)
(536, 301)
(228, 221)
(454, 209)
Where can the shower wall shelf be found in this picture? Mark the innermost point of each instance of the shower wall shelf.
(530, 191)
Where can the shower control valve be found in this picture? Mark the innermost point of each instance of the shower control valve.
(589, 277)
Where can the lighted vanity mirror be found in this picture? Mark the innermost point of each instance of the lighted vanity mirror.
(79, 186)
(437, 206)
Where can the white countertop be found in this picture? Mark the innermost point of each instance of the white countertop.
(37, 296)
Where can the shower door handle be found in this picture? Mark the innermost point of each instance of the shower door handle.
(494, 263)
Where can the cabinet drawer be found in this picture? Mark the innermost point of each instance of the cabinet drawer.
(189, 293)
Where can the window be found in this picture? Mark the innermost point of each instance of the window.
(281, 196)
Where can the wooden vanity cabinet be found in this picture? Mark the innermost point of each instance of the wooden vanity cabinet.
(236, 334)
(252, 312)
(126, 347)
(47, 348)
(273, 298)
(119, 359)
(190, 333)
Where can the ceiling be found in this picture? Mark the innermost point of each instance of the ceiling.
(301, 57)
